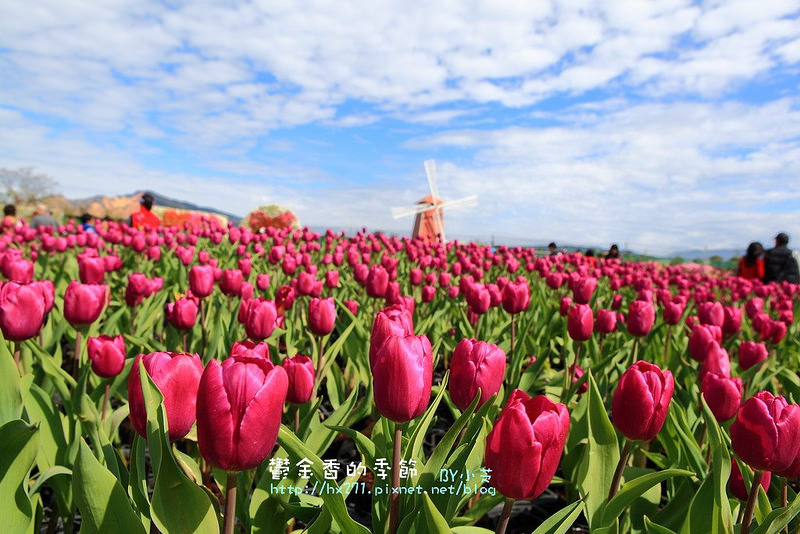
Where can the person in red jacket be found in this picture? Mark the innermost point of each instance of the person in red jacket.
(144, 218)
(751, 265)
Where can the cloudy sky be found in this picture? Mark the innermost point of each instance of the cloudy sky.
(663, 125)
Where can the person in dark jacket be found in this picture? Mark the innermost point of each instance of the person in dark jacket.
(779, 263)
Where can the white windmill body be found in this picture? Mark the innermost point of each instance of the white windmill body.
(429, 221)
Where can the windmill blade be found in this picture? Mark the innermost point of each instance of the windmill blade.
(466, 202)
(430, 172)
(407, 211)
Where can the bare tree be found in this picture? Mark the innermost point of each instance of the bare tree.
(24, 185)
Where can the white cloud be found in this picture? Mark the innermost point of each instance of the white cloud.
(96, 94)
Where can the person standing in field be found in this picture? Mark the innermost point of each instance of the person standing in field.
(42, 218)
(613, 252)
(751, 265)
(145, 218)
(779, 263)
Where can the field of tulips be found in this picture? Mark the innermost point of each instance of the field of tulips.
(207, 379)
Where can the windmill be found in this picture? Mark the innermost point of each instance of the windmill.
(429, 221)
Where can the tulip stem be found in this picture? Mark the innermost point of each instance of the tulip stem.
(203, 327)
(105, 403)
(623, 459)
(569, 375)
(505, 516)
(77, 364)
(635, 351)
(751, 502)
(394, 498)
(320, 368)
(512, 337)
(666, 346)
(230, 503)
(785, 499)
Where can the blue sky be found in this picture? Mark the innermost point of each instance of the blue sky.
(665, 124)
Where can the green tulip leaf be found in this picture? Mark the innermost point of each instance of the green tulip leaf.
(10, 387)
(178, 505)
(17, 454)
(779, 518)
(434, 521)
(601, 456)
(334, 501)
(561, 521)
(103, 503)
(655, 528)
(722, 516)
(634, 489)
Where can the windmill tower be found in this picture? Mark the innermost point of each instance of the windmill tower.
(429, 220)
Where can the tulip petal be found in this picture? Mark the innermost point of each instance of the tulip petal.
(214, 418)
(259, 426)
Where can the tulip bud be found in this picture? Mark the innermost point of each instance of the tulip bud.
(140, 287)
(332, 279)
(478, 298)
(475, 364)
(352, 306)
(641, 316)
(702, 339)
(524, 448)
(107, 355)
(300, 371)
(736, 482)
(392, 321)
(231, 282)
(766, 432)
(239, 409)
(321, 316)
(576, 372)
(516, 297)
(23, 308)
(260, 318)
(606, 321)
(751, 353)
(672, 313)
(428, 292)
(641, 401)
(91, 270)
(732, 321)
(250, 348)
(583, 289)
(262, 281)
(18, 270)
(377, 281)
(83, 303)
(580, 322)
(722, 394)
(284, 298)
(402, 377)
(305, 283)
(177, 377)
(182, 314)
(716, 361)
(753, 307)
(201, 280)
(565, 305)
(711, 313)
(616, 302)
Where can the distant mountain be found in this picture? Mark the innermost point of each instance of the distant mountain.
(119, 207)
(704, 254)
(160, 200)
